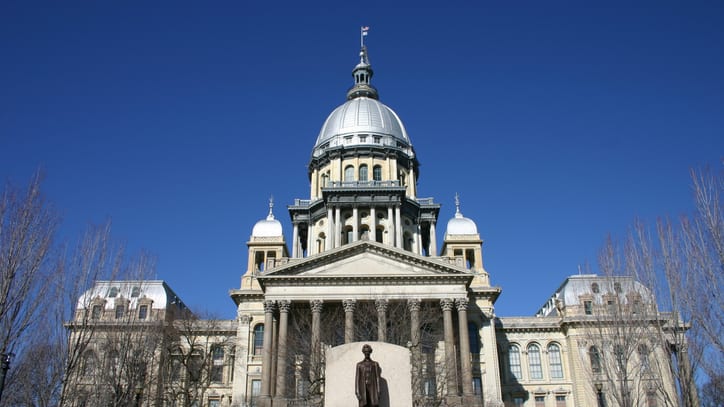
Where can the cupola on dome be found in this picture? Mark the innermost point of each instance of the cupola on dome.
(460, 225)
(362, 119)
(268, 227)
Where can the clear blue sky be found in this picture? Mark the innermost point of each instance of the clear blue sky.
(557, 122)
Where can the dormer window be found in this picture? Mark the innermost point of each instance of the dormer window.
(377, 139)
(595, 289)
(617, 288)
(362, 138)
(143, 312)
(113, 292)
(135, 292)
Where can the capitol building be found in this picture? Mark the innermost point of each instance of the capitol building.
(364, 266)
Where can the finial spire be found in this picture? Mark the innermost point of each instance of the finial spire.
(271, 206)
(457, 206)
(362, 73)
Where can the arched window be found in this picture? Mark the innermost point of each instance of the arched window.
(554, 361)
(377, 173)
(258, 339)
(325, 178)
(595, 356)
(363, 172)
(534, 363)
(514, 362)
(349, 173)
(217, 364)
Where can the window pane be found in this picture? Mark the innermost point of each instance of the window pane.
(349, 173)
(258, 339)
(377, 173)
(536, 371)
(514, 361)
(363, 173)
(120, 310)
(554, 360)
(142, 311)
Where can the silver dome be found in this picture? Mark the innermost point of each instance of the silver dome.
(357, 121)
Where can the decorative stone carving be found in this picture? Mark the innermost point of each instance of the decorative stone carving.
(269, 306)
(381, 305)
(447, 304)
(244, 319)
(349, 305)
(316, 305)
(284, 305)
(413, 304)
(461, 304)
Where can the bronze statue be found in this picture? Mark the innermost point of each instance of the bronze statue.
(367, 380)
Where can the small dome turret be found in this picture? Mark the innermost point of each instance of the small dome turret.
(268, 227)
(460, 225)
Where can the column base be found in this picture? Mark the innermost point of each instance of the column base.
(264, 401)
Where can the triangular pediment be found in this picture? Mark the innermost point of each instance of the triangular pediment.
(366, 259)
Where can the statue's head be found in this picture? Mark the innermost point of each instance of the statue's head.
(366, 349)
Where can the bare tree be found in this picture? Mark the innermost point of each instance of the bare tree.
(683, 266)
(198, 354)
(27, 229)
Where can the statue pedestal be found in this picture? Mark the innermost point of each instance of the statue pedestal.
(395, 375)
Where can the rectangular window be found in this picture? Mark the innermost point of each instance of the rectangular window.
(120, 310)
(143, 312)
(214, 403)
(518, 401)
(540, 401)
(560, 401)
(588, 307)
(96, 312)
(477, 386)
(255, 392)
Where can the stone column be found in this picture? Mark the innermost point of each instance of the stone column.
(282, 363)
(355, 224)
(314, 355)
(381, 306)
(467, 373)
(450, 366)
(273, 374)
(349, 306)
(398, 228)
(266, 362)
(337, 227)
(414, 306)
(295, 241)
(433, 240)
(391, 226)
(373, 224)
(330, 229)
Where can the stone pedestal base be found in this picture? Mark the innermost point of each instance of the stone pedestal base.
(472, 401)
(280, 402)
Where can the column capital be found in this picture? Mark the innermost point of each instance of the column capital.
(349, 305)
(461, 303)
(284, 305)
(269, 306)
(413, 304)
(447, 304)
(381, 304)
(316, 305)
(244, 319)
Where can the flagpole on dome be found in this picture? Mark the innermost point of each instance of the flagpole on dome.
(362, 34)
